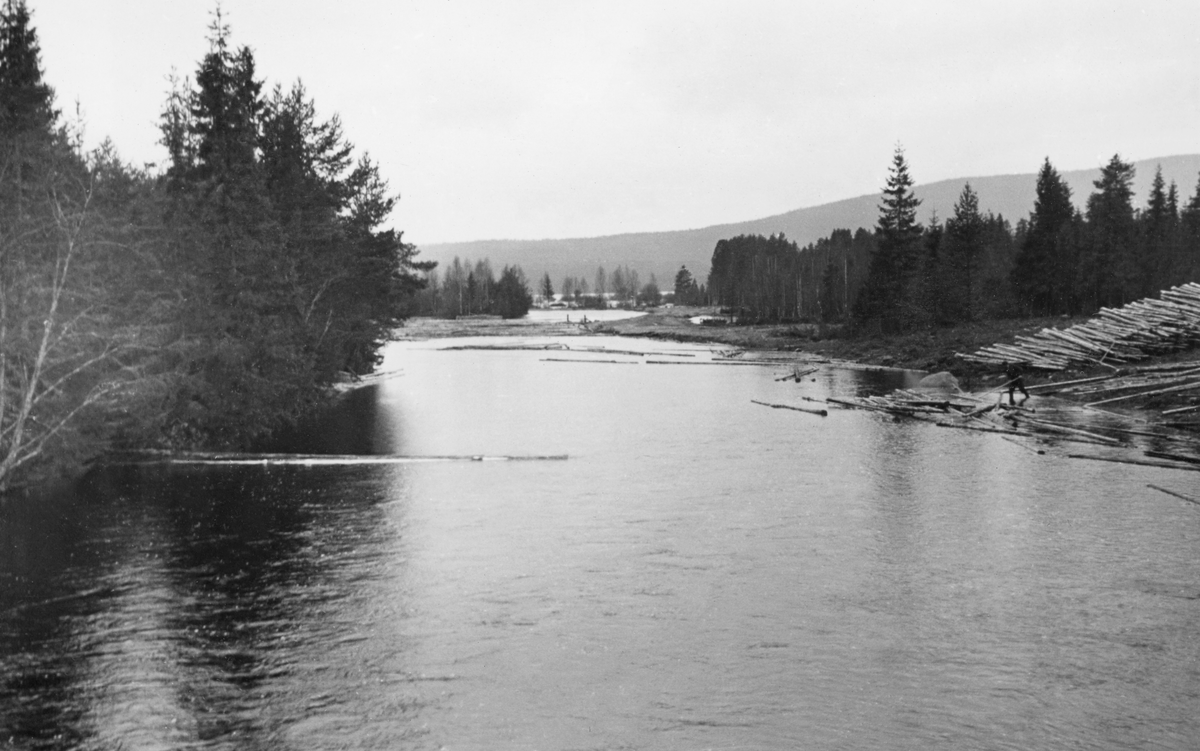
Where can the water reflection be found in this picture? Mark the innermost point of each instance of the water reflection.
(204, 602)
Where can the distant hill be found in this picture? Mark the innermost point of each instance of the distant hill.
(662, 253)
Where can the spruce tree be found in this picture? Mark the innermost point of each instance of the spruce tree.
(1189, 220)
(683, 286)
(512, 293)
(897, 254)
(1109, 266)
(1045, 265)
(964, 248)
(1156, 227)
(28, 119)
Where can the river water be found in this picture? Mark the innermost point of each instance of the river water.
(700, 573)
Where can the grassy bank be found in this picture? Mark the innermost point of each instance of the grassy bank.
(924, 350)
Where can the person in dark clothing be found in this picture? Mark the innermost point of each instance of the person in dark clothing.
(1015, 373)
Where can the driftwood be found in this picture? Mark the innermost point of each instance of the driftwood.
(820, 412)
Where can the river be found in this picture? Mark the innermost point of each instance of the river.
(700, 572)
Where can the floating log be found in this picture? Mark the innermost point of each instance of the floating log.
(982, 410)
(583, 359)
(1181, 410)
(988, 429)
(229, 458)
(634, 352)
(1155, 392)
(1055, 427)
(1051, 387)
(1015, 442)
(713, 362)
(1172, 457)
(1160, 465)
(820, 412)
(797, 374)
(1177, 495)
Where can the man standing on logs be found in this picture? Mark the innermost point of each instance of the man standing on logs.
(1015, 373)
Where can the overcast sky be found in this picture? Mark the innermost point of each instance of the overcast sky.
(521, 119)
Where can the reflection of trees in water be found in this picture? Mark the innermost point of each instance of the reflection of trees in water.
(230, 579)
(353, 427)
(932, 499)
(41, 538)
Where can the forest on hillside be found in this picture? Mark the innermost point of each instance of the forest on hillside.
(904, 276)
(203, 305)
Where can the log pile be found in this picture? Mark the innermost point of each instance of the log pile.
(1115, 336)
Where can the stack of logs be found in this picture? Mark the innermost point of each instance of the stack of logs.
(1114, 336)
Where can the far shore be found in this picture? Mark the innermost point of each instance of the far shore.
(926, 350)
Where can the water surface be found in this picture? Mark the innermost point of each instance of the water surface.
(702, 572)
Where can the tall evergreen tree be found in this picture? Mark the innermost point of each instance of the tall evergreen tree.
(1189, 220)
(1044, 273)
(1109, 264)
(512, 293)
(964, 248)
(897, 255)
(28, 119)
(687, 292)
(1157, 225)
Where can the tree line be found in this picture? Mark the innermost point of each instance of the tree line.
(202, 305)
(975, 265)
(466, 289)
(623, 286)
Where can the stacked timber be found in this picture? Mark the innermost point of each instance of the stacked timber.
(1115, 336)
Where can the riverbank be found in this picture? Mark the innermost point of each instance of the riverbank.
(924, 350)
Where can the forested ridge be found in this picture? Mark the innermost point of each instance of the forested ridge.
(903, 276)
(205, 304)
